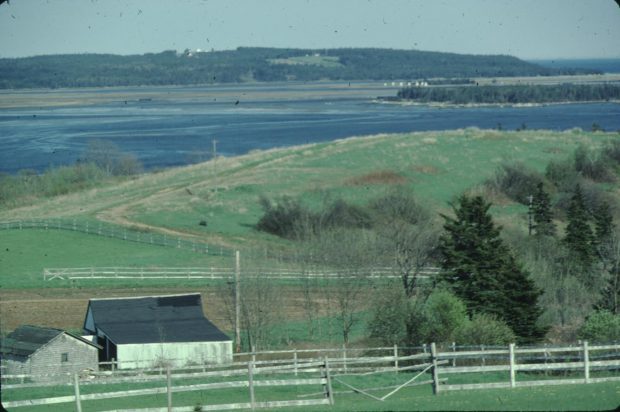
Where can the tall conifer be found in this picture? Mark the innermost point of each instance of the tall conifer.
(482, 271)
(579, 236)
(542, 213)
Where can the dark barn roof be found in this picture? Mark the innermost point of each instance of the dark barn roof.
(26, 340)
(154, 319)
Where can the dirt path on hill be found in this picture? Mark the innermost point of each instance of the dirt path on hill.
(118, 215)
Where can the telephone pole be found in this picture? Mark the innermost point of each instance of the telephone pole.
(530, 198)
(237, 303)
(215, 165)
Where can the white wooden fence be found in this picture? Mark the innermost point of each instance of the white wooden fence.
(507, 360)
(250, 371)
(138, 273)
(579, 361)
(118, 232)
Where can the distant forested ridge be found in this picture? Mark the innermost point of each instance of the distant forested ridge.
(514, 94)
(256, 64)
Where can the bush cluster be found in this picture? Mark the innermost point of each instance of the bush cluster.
(441, 318)
(288, 218)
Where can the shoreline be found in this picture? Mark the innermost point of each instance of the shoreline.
(447, 105)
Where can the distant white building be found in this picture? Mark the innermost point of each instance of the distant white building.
(147, 331)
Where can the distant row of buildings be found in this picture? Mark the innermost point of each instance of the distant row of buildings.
(407, 84)
(132, 332)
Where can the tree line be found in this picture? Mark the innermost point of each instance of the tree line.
(553, 275)
(255, 64)
(513, 94)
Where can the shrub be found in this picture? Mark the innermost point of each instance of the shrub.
(601, 326)
(342, 214)
(287, 218)
(611, 151)
(562, 174)
(444, 314)
(592, 164)
(436, 320)
(398, 206)
(516, 181)
(485, 329)
(389, 316)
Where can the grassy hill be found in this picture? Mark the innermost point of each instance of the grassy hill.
(436, 166)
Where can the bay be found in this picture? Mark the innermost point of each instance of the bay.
(170, 132)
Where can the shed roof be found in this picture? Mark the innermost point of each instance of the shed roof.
(26, 340)
(154, 319)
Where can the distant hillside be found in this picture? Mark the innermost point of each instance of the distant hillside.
(255, 64)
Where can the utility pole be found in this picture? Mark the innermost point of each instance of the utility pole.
(215, 165)
(530, 199)
(237, 303)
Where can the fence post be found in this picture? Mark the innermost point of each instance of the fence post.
(396, 357)
(76, 387)
(328, 382)
(435, 370)
(511, 356)
(169, 387)
(344, 357)
(586, 361)
(295, 360)
(453, 351)
(253, 355)
(113, 364)
(483, 361)
(251, 384)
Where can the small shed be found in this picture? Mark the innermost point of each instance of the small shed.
(147, 331)
(45, 353)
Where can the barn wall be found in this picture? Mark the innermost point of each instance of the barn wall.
(16, 365)
(176, 354)
(47, 360)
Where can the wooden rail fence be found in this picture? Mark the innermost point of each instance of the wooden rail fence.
(91, 273)
(333, 364)
(251, 370)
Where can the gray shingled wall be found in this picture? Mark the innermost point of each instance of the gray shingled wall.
(48, 359)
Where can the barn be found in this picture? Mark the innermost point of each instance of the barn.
(44, 353)
(147, 331)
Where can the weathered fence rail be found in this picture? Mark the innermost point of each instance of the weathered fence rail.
(250, 371)
(508, 360)
(138, 273)
(359, 360)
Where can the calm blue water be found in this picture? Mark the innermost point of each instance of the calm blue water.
(163, 134)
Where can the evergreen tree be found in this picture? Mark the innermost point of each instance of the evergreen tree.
(482, 271)
(603, 225)
(579, 237)
(541, 213)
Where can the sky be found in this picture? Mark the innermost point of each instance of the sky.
(529, 29)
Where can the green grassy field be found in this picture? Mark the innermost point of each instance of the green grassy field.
(25, 253)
